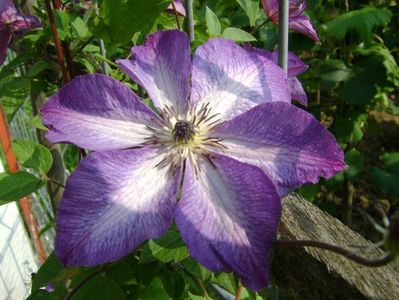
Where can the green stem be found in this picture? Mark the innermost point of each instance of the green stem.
(176, 15)
(259, 26)
(83, 282)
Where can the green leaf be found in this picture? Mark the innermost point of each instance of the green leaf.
(147, 272)
(361, 88)
(36, 122)
(99, 288)
(121, 272)
(62, 21)
(334, 70)
(227, 281)
(386, 181)
(11, 106)
(347, 130)
(168, 248)
(41, 295)
(354, 159)
(33, 155)
(391, 162)
(173, 283)
(251, 8)
(14, 186)
(47, 272)
(15, 87)
(309, 191)
(80, 29)
(362, 21)
(212, 23)
(335, 181)
(383, 56)
(153, 291)
(197, 270)
(38, 67)
(195, 297)
(121, 19)
(238, 35)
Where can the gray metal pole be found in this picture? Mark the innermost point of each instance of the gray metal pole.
(283, 9)
(189, 19)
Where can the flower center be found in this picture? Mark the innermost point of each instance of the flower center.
(183, 132)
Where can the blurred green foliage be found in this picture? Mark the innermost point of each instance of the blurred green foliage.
(352, 85)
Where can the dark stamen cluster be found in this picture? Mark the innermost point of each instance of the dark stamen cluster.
(183, 131)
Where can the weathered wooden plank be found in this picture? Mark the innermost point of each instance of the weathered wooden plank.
(313, 273)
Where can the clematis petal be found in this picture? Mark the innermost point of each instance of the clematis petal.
(5, 38)
(97, 112)
(233, 80)
(5, 5)
(297, 91)
(303, 25)
(113, 202)
(271, 9)
(162, 66)
(20, 23)
(179, 8)
(287, 143)
(297, 7)
(295, 67)
(297, 22)
(228, 217)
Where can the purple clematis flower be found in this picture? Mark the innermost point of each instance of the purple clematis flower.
(295, 67)
(179, 8)
(11, 21)
(297, 22)
(231, 135)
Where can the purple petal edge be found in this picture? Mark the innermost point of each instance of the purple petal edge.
(111, 205)
(228, 216)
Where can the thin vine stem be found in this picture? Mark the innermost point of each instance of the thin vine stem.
(176, 15)
(376, 262)
(65, 46)
(55, 182)
(82, 283)
(259, 26)
(61, 61)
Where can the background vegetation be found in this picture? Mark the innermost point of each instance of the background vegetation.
(352, 86)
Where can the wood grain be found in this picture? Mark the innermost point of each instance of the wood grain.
(313, 273)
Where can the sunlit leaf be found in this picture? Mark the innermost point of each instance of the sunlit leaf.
(168, 248)
(36, 122)
(121, 19)
(33, 155)
(251, 8)
(212, 22)
(14, 186)
(238, 35)
(362, 21)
